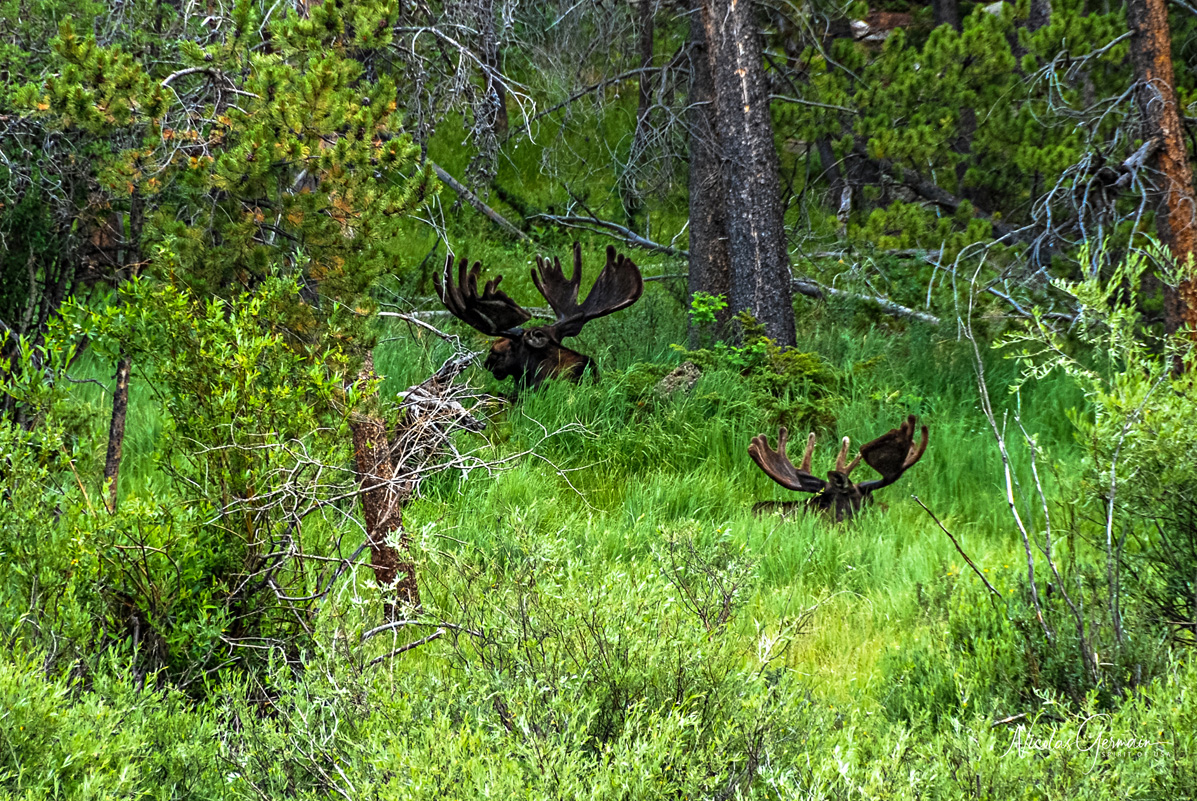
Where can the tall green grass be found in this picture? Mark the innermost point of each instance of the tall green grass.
(622, 467)
(879, 622)
(630, 468)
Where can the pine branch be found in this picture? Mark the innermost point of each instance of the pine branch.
(929, 190)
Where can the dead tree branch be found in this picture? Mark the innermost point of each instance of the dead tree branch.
(933, 192)
(475, 201)
(623, 233)
(404, 648)
(603, 84)
(813, 289)
(959, 550)
(987, 408)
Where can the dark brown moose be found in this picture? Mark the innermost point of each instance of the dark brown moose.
(531, 355)
(891, 455)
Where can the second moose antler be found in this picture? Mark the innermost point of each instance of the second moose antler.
(891, 455)
(532, 355)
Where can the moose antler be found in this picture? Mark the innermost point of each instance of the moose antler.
(493, 312)
(534, 354)
(892, 454)
(777, 465)
(618, 286)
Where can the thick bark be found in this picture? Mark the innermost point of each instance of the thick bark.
(382, 507)
(1151, 54)
(710, 262)
(116, 428)
(947, 12)
(760, 269)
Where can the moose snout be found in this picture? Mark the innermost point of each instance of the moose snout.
(502, 361)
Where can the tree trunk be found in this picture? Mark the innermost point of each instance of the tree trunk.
(710, 262)
(947, 12)
(760, 268)
(966, 129)
(129, 255)
(116, 429)
(629, 192)
(381, 506)
(1041, 14)
(841, 193)
(1151, 54)
(646, 60)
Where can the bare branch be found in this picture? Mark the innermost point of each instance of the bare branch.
(801, 102)
(475, 201)
(987, 408)
(398, 624)
(623, 76)
(929, 190)
(405, 648)
(615, 230)
(959, 550)
(414, 320)
(813, 289)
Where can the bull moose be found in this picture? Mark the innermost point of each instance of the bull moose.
(891, 455)
(532, 355)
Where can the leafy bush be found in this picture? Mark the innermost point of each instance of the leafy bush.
(1114, 562)
(791, 386)
(108, 738)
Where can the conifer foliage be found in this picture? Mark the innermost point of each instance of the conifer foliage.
(257, 141)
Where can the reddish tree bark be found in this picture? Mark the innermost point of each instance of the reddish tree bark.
(116, 428)
(382, 506)
(1151, 53)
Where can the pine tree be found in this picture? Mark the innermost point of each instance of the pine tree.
(263, 151)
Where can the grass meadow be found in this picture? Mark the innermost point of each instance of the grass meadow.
(640, 632)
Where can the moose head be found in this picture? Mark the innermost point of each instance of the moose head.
(891, 455)
(531, 355)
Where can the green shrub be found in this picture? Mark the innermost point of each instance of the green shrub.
(920, 686)
(792, 387)
(106, 737)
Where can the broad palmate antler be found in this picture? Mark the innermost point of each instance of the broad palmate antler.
(891, 455)
(534, 354)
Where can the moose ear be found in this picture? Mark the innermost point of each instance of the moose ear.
(536, 338)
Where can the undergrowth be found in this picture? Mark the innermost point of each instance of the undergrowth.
(622, 625)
